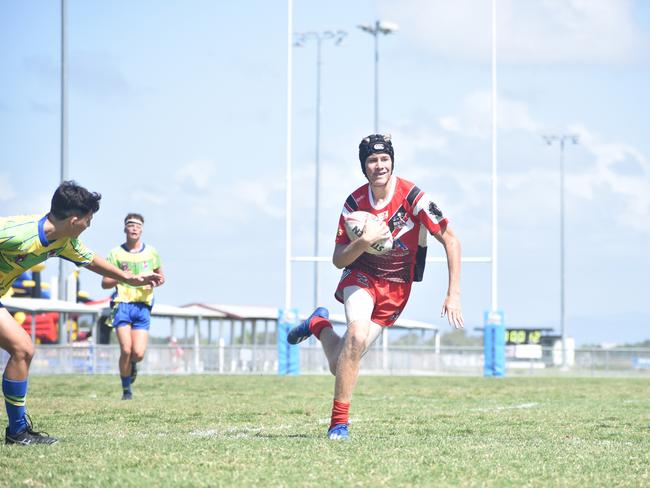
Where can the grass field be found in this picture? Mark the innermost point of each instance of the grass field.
(270, 431)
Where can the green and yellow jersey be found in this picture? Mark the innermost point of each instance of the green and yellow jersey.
(144, 261)
(23, 245)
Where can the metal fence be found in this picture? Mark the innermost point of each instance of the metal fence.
(87, 358)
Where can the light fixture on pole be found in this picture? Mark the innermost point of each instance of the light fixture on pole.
(385, 28)
(301, 38)
(562, 139)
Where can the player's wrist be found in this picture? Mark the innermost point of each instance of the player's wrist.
(360, 243)
(365, 241)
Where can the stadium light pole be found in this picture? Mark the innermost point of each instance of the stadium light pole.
(385, 28)
(63, 131)
(301, 38)
(63, 155)
(562, 139)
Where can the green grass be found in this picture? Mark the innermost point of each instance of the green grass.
(270, 431)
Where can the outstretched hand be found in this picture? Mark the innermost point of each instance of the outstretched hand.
(452, 309)
(152, 279)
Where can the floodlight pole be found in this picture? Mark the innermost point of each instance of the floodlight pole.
(64, 131)
(301, 39)
(562, 139)
(380, 27)
(64, 158)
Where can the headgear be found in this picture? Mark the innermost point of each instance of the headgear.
(375, 143)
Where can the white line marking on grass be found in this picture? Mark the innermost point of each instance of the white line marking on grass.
(238, 432)
(205, 433)
(498, 408)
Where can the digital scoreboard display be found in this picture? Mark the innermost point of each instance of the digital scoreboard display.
(524, 344)
(516, 337)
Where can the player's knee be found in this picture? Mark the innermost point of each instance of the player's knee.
(357, 336)
(137, 356)
(23, 351)
(125, 351)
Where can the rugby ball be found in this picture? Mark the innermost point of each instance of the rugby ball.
(355, 222)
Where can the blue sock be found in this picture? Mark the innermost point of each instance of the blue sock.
(126, 383)
(15, 393)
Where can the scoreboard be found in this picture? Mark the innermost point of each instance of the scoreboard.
(523, 343)
(523, 336)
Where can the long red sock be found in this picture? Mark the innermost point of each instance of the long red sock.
(317, 325)
(340, 413)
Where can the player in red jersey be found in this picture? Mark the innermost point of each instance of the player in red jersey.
(375, 288)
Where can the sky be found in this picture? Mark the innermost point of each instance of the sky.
(178, 110)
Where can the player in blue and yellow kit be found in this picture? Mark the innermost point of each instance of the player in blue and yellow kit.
(26, 241)
(131, 313)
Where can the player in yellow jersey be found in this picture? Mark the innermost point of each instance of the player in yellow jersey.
(131, 315)
(26, 241)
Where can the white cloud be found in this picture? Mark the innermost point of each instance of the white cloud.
(6, 191)
(197, 174)
(546, 31)
(596, 180)
(475, 116)
(243, 200)
(634, 189)
(148, 196)
(412, 139)
(259, 196)
(450, 124)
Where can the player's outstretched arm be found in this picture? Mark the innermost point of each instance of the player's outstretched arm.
(114, 274)
(451, 307)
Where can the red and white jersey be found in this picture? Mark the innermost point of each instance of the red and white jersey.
(408, 209)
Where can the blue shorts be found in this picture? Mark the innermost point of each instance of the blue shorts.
(137, 315)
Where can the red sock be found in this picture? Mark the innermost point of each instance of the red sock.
(317, 325)
(340, 413)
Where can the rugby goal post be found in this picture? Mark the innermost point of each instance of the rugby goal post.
(290, 259)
